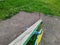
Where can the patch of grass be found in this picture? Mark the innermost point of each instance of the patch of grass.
(9, 8)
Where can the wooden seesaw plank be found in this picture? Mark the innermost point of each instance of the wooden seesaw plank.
(25, 36)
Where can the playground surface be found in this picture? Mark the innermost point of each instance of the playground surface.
(11, 28)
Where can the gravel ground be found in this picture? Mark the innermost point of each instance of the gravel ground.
(11, 28)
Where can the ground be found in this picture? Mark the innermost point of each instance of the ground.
(9, 8)
(51, 30)
(11, 28)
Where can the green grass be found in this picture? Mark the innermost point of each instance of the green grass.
(9, 8)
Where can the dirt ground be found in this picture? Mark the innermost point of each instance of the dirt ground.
(51, 27)
(11, 28)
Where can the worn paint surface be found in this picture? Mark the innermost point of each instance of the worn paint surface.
(39, 37)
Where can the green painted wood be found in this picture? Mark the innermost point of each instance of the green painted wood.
(30, 37)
